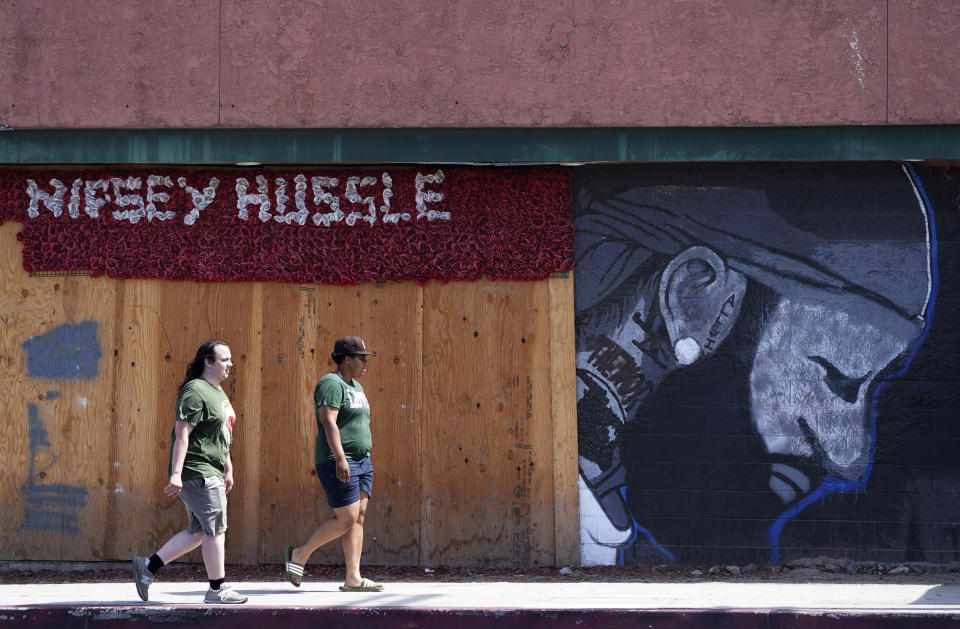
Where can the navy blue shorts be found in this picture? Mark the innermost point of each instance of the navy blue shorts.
(344, 494)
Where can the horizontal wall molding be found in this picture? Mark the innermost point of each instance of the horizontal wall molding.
(478, 145)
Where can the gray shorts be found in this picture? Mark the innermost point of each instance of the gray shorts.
(206, 502)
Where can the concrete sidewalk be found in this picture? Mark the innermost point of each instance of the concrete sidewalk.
(438, 604)
(716, 596)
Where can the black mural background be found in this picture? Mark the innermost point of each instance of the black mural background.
(695, 471)
(910, 510)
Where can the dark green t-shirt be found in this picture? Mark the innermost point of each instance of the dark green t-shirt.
(207, 409)
(353, 419)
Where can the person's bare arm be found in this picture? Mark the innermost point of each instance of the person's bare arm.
(328, 419)
(228, 474)
(181, 432)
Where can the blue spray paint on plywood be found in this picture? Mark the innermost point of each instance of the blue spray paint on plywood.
(69, 351)
(49, 507)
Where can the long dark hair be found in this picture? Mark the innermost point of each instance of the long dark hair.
(205, 352)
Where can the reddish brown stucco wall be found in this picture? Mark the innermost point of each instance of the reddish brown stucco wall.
(241, 63)
(100, 63)
(924, 61)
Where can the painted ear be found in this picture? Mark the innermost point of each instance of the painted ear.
(700, 300)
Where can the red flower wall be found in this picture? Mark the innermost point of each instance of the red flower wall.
(504, 223)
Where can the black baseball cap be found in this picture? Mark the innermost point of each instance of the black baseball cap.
(351, 345)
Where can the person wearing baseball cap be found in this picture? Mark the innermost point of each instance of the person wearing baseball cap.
(342, 457)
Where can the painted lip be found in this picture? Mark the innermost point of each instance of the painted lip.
(790, 475)
(788, 482)
(793, 477)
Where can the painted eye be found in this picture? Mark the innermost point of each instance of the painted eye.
(838, 382)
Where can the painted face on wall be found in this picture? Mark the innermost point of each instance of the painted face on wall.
(839, 258)
(809, 389)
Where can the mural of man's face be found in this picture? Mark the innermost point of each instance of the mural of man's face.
(810, 383)
(839, 265)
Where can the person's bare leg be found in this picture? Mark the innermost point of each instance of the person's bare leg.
(352, 542)
(213, 555)
(179, 545)
(343, 518)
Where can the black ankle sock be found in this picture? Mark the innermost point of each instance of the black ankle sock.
(154, 564)
(216, 583)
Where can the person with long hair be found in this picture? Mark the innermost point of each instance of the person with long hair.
(201, 472)
(342, 455)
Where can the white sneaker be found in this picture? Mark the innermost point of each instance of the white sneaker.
(224, 595)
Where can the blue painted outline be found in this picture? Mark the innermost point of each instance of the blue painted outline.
(832, 484)
(637, 529)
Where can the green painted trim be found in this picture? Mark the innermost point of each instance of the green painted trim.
(493, 145)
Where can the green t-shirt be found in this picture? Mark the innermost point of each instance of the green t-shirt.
(353, 419)
(207, 409)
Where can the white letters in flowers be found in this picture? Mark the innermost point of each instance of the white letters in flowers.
(200, 199)
(321, 195)
(429, 196)
(53, 202)
(352, 201)
(123, 200)
(133, 207)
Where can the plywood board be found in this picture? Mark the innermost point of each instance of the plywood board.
(287, 486)
(486, 438)
(137, 467)
(57, 392)
(473, 415)
(388, 317)
(14, 427)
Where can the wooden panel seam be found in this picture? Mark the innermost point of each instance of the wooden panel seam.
(564, 409)
(421, 320)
